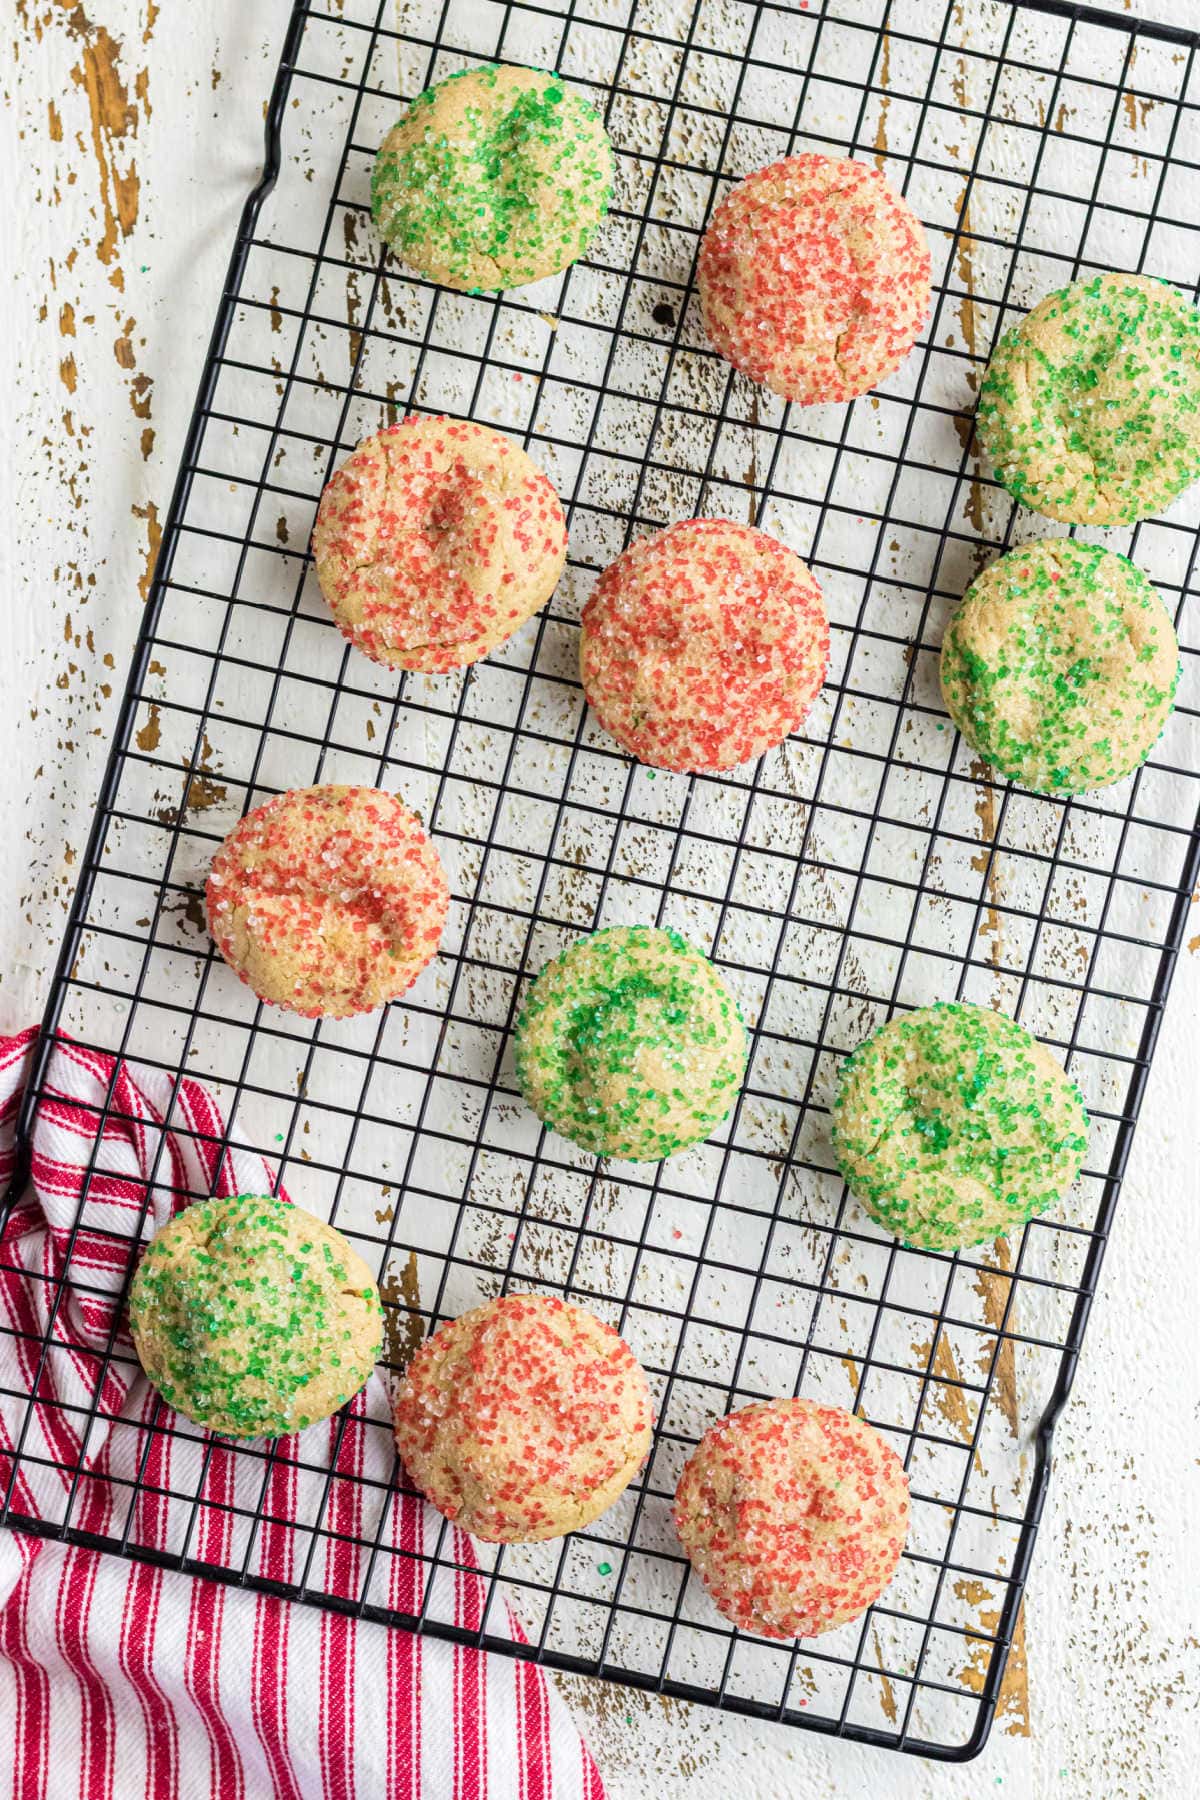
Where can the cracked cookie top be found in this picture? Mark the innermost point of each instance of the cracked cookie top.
(435, 541)
(794, 1516)
(814, 278)
(630, 1044)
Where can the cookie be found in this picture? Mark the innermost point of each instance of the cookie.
(524, 1419)
(793, 1515)
(630, 1044)
(253, 1318)
(1090, 408)
(954, 1126)
(1060, 666)
(814, 278)
(703, 645)
(327, 900)
(436, 541)
(493, 178)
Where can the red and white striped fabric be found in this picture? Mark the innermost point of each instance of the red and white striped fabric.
(125, 1679)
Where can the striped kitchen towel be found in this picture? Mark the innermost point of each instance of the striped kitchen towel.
(121, 1679)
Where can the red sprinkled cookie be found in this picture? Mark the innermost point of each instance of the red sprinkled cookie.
(435, 541)
(327, 900)
(814, 278)
(794, 1515)
(704, 645)
(524, 1419)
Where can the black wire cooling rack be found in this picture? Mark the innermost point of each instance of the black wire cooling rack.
(867, 865)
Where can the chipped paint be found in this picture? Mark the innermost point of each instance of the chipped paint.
(619, 1721)
(403, 1326)
(354, 307)
(944, 1391)
(968, 317)
(887, 1691)
(114, 119)
(1012, 1702)
(149, 736)
(986, 862)
(885, 100)
(80, 157)
(1137, 110)
(1138, 107)
(149, 513)
(203, 791)
(968, 312)
(994, 1289)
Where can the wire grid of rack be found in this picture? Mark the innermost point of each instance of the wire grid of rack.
(868, 864)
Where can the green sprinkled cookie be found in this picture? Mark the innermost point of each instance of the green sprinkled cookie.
(1090, 408)
(954, 1126)
(253, 1318)
(493, 178)
(1060, 666)
(630, 1044)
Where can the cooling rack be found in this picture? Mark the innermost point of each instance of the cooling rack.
(867, 865)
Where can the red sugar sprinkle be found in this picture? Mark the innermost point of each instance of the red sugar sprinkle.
(795, 1516)
(814, 278)
(704, 645)
(524, 1418)
(435, 540)
(327, 900)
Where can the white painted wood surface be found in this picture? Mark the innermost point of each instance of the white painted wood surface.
(131, 132)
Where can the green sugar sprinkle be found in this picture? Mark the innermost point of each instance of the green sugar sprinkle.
(604, 1568)
(506, 187)
(1060, 666)
(1090, 408)
(235, 1328)
(630, 1044)
(953, 1125)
